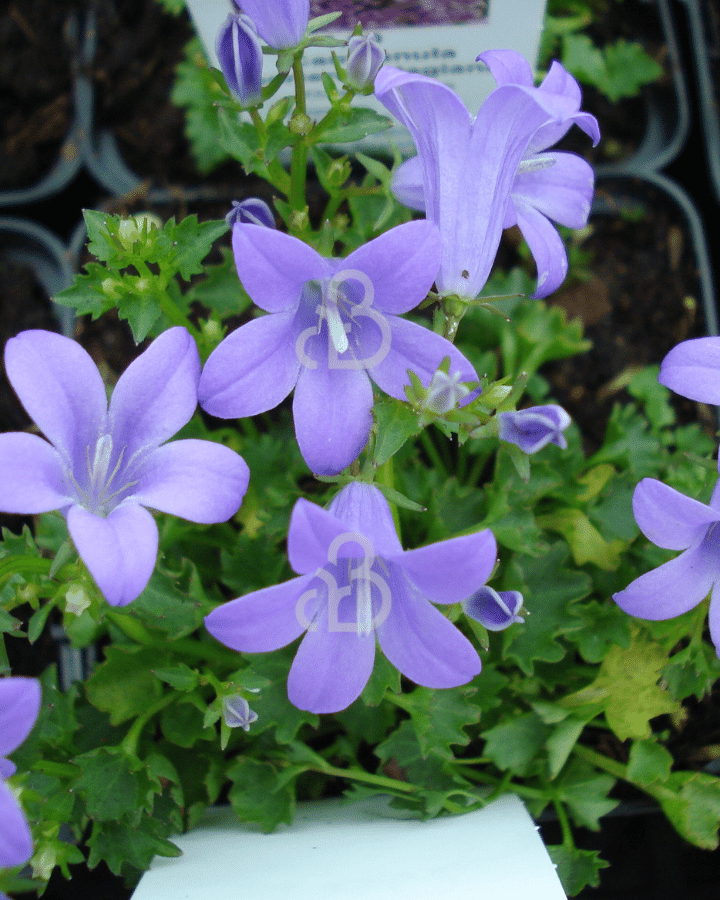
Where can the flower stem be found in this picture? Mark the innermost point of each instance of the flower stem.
(130, 741)
(298, 164)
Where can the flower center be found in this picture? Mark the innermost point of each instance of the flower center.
(99, 487)
(333, 300)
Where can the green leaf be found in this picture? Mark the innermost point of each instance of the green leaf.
(576, 868)
(181, 677)
(221, 290)
(110, 788)
(585, 541)
(360, 122)
(124, 684)
(550, 588)
(256, 797)
(191, 242)
(183, 723)
(396, 422)
(585, 791)
(440, 718)
(514, 743)
(561, 742)
(120, 845)
(649, 762)
(695, 809)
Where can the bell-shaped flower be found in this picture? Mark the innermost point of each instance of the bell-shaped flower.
(533, 428)
(334, 324)
(548, 185)
(19, 708)
(461, 181)
(364, 58)
(101, 466)
(240, 56)
(496, 610)
(692, 369)
(280, 23)
(468, 164)
(355, 583)
(676, 522)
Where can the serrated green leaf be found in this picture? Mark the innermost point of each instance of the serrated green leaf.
(256, 794)
(514, 744)
(360, 122)
(124, 685)
(120, 844)
(440, 718)
(694, 811)
(561, 742)
(649, 762)
(585, 791)
(576, 868)
(110, 788)
(181, 677)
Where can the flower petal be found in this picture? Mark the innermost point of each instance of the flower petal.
(407, 184)
(331, 667)
(157, 394)
(32, 475)
(60, 387)
(252, 370)
(546, 247)
(714, 617)
(450, 571)
(332, 415)
(401, 264)
(671, 589)
(561, 188)
(313, 530)
(419, 641)
(15, 836)
(280, 24)
(421, 350)
(19, 707)
(119, 551)
(364, 510)
(274, 266)
(267, 619)
(692, 369)
(197, 480)
(668, 518)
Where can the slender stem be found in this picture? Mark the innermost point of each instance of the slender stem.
(24, 565)
(130, 741)
(567, 833)
(130, 626)
(386, 475)
(367, 777)
(298, 164)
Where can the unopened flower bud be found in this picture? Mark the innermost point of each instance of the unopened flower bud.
(365, 56)
(240, 55)
(252, 211)
(495, 610)
(445, 392)
(533, 428)
(237, 712)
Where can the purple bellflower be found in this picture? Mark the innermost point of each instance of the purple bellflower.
(237, 712)
(355, 583)
(280, 23)
(475, 177)
(676, 522)
(468, 165)
(534, 428)
(240, 56)
(101, 466)
(365, 56)
(692, 369)
(19, 708)
(496, 610)
(334, 324)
